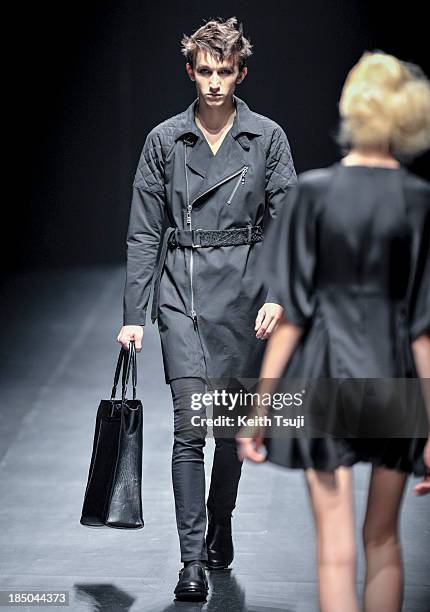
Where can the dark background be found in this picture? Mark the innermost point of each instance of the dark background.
(97, 76)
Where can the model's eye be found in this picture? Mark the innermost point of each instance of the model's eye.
(203, 71)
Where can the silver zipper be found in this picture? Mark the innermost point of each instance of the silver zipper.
(193, 312)
(241, 171)
(189, 209)
(240, 180)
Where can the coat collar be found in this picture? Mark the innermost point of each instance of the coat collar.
(244, 122)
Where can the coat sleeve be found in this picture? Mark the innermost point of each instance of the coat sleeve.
(144, 230)
(290, 257)
(280, 180)
(419, 304)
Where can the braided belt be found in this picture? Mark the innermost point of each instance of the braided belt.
(199, 238)
(216, 238)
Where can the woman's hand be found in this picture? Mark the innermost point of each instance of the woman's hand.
(423, 487)
(268, 318)
(250, 441)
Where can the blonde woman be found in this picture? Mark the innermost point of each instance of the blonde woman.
(349, 261)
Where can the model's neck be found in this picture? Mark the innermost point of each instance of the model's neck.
(215, 119)
(370, 157)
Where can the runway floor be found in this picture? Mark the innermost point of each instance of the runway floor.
(58, 356)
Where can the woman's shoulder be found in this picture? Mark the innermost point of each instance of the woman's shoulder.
(416, 185)
(416, 191)
(311, 188)
(317, 176)
(316, 180)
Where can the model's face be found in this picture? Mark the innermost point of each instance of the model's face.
(215, 81)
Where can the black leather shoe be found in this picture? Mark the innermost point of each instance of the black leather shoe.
(219, 543)
(192, 584)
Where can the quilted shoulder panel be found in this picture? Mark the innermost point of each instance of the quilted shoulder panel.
(280, 170)
(150, 170)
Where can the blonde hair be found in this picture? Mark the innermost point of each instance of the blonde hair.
(386, 103)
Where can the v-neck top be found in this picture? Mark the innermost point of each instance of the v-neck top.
(224, 137)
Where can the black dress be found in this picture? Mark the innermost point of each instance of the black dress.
(350, 262)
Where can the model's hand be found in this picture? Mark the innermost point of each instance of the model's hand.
(131, 332)
(267, 320)
(423, 487)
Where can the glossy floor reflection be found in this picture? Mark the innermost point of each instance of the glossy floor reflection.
(58, 357)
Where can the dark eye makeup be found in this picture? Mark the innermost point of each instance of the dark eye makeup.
(224, 71)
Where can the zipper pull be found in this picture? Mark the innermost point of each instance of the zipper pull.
(189, 215)
(240, 180)
(194, 317)
(244, 171)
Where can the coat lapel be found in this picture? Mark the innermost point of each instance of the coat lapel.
(232, 155)
(228, 161)
(199, 157)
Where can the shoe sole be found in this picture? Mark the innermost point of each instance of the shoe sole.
(218, 567)
(191, 595)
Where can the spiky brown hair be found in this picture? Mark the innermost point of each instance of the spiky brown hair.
(221, 39)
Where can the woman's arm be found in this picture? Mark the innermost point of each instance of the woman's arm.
(421, 354)
(280, 347)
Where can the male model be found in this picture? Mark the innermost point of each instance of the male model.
(215, 173)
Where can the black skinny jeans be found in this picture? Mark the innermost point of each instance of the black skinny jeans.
(188, 473)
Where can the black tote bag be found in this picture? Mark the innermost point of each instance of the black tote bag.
(113, 495)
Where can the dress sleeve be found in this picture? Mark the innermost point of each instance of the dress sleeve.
(419, 305)
(289, 257)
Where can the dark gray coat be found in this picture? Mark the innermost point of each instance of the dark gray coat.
(220, 284)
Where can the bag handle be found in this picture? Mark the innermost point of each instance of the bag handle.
(126, 363)
(117, 372)
(131, 364)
